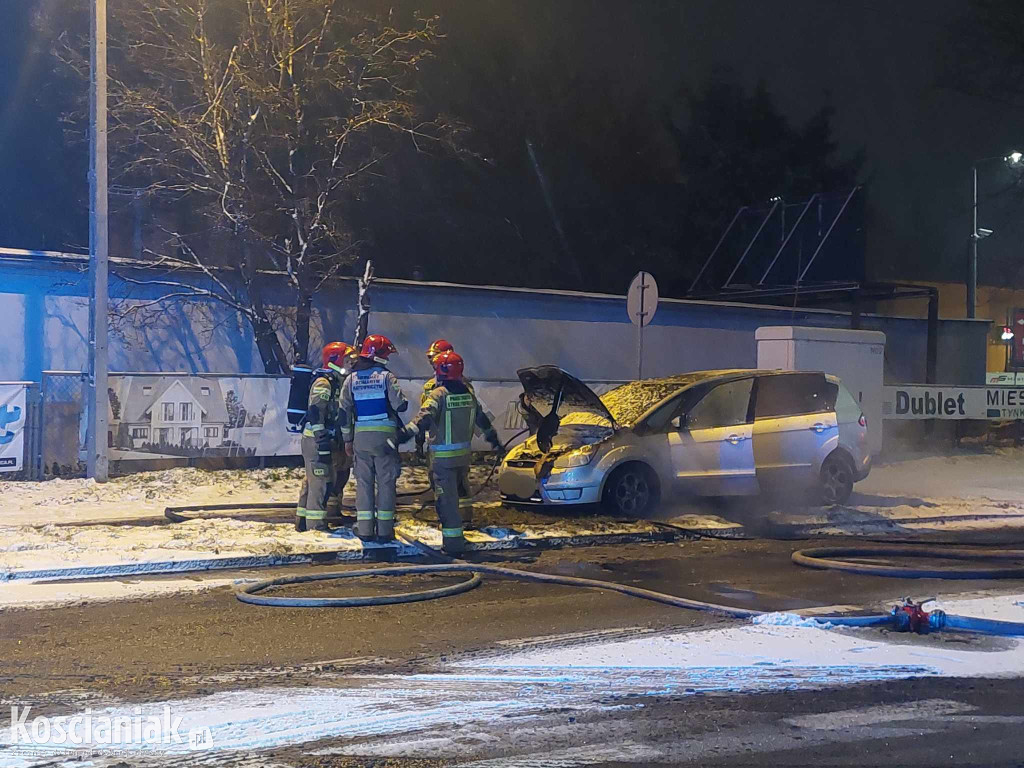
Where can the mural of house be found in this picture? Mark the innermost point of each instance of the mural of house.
(189, 412)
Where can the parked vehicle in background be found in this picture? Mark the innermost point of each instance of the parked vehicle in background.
(706, 433)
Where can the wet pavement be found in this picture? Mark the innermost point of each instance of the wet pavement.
(208, 644)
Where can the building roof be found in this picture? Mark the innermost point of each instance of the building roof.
(136, 403)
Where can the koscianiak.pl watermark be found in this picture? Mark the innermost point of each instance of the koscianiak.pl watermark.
(103, 731)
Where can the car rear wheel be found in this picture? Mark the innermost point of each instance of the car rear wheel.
(837, 476)
(631, 491)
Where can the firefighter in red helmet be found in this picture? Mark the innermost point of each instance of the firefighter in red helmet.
(372, 400)
(327, 465)
(435, 349)
(450, 416)
(465, 498)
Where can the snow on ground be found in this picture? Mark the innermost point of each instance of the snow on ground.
(980, 491)
(390, 715)
(981, 605)
(144, 494)
(78, 523)
(79, 529)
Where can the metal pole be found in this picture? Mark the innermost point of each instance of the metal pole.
(718, 245)
(640, 330)
(828, 232)
(786, 240)
(96, 435)
(751, 244)
(932, 340)
(972, 263)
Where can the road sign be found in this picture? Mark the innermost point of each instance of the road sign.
(642, 299)
(641, 304)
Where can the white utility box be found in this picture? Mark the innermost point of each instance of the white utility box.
(856, 357)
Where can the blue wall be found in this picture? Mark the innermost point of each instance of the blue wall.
(44, 304)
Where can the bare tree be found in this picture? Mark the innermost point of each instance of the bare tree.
(255, 120)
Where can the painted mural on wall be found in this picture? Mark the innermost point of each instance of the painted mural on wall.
(174, 416)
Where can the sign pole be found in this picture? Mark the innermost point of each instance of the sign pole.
(640, 332)
(641, 304)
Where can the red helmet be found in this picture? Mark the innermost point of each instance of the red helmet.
(437, 348)
(336, 352)
(449, 366)
(378, 347)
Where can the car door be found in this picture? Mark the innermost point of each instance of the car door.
(794, 419)
(711, 446)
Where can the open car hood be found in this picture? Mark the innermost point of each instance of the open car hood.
(551, 393)
(550, 389)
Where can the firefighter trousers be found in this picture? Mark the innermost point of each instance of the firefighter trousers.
(465, 499)
(323, 484)
(447, 479)
(377, 468)
(465, 494)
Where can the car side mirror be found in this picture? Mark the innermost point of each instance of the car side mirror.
(679, 423)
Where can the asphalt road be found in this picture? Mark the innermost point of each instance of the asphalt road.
(208, 643)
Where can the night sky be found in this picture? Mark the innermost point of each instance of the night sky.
(879, 67)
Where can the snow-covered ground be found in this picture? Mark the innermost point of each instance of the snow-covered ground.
(916, 494)
(118, 528)
(450, 711)
(63, 529)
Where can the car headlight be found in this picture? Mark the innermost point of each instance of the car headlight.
(577, 458)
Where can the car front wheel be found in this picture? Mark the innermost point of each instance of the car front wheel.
(632, 491)
(836, 480)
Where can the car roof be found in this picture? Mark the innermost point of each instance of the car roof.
(695, 378)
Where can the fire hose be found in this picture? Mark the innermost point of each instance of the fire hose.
(176, 514)
(906, 617)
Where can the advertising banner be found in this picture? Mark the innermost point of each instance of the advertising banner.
(165, 416)
(12, 427)
(173, 416)
(1004, 378)
(916, 401)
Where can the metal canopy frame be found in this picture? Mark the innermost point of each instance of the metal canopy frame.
(788, 233)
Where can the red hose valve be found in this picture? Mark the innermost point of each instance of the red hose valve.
(912, 617)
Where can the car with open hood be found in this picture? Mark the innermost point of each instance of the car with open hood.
(705, 433)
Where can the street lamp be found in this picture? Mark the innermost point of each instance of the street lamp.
(1013, 160)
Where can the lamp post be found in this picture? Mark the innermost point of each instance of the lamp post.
(96, 408)
(1012, 159)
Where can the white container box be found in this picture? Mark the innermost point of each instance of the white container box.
(856, 357)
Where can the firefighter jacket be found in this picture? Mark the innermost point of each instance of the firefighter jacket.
(323, 411)
(372, 400)
(450, 416)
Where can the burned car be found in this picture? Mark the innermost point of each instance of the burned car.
(706, 433)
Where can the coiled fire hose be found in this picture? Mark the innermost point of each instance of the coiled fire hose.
(906, 617)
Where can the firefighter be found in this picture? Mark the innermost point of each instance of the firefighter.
(372, 400)
(449, 416)
(327, 465)
(435, 349)
(465, 499)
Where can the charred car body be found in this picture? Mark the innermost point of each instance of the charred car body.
(706, 433)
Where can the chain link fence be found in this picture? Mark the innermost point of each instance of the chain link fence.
(62, 395)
